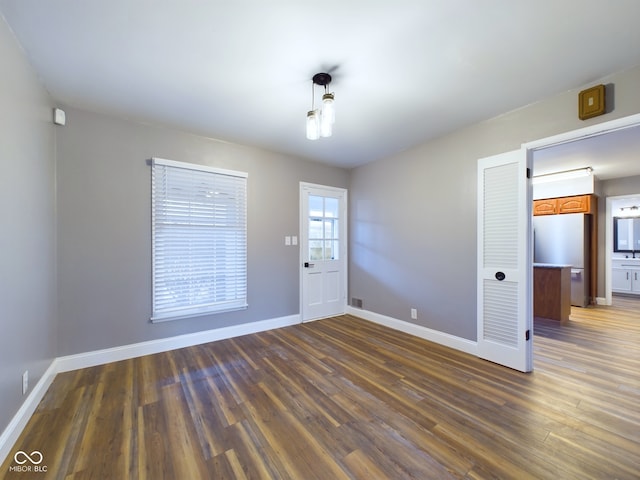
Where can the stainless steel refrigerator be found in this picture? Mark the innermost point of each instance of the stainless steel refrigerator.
(564, 240)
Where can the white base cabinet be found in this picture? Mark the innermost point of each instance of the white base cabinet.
(625, 276)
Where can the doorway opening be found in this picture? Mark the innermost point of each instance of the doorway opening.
(627, 126)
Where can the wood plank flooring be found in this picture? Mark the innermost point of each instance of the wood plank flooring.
(343, 398)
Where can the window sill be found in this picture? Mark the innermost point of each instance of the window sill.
(179, 315)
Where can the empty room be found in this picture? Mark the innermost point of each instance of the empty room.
(339, 240)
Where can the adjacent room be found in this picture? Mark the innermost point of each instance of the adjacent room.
(295, 240)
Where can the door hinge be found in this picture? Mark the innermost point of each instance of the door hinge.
(528, 173)
(527, 335)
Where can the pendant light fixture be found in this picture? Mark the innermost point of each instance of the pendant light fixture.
(320, 121)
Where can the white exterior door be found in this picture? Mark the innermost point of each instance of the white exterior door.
(505, 268)
(323, 251)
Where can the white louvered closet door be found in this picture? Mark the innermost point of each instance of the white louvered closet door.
(505, 313)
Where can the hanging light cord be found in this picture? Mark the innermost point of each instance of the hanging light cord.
(313, 96)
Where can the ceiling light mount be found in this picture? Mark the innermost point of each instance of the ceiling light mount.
(322, 79)
(320, 121)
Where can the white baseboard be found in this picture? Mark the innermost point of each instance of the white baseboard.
(451, 341)
(125, 352)
(100, 357)
(10, 434)
(601, 301)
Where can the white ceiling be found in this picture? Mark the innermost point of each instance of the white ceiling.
(612, 155)
(404, 72)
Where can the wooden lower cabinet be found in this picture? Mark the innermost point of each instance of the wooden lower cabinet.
(552, 292)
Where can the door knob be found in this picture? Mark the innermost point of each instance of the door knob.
(500, 276)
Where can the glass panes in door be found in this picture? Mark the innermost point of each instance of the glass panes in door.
(324, 234)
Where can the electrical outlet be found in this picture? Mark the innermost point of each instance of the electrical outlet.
(414, 314)
(25, 381)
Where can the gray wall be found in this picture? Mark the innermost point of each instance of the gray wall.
(413, 216)
(104, 228)
(27, 248)
(80, 199)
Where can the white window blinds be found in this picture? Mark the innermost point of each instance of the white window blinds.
(199, 239)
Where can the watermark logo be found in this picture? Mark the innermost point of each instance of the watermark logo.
(28, 462)
(23, 457)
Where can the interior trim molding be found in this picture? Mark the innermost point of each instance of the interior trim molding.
(585, 132)
(10, 434)
(100, 357)
(125, 352)
(441, 338)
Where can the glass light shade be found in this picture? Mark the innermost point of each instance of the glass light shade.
(326, 127)
(313, 125)
(328, 108)
(328, 116)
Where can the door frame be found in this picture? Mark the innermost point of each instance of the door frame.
(596, 130)
(344, 223)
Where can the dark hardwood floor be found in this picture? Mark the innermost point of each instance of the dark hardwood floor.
(345, 398)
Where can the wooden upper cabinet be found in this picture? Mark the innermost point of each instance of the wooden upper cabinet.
(552, 206)
(577, 204)
(548, 206)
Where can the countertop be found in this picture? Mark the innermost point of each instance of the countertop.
(550, 265)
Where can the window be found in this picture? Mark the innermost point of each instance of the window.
(324, 240)
(199, 239)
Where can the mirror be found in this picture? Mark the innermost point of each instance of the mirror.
(626, 234)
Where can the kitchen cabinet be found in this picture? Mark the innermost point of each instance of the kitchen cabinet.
(575, 204)
(588, 204)
(553, 206)
(547, 206)
(625, 276)
(552, 291)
